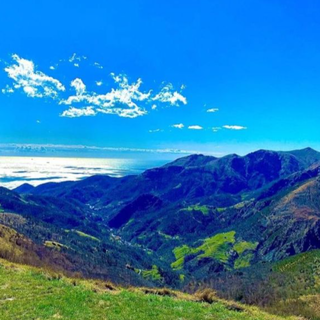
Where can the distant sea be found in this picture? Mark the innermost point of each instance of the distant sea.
(15, 171)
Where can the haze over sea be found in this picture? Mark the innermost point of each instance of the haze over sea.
(15, 171)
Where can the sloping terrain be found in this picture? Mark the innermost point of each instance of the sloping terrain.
(216, 181)
(196, 220)
(287, 287)
(77, 240)
(184, 213)
(28, 293)
(18, 248)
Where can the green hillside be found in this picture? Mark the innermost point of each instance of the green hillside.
(249, 235)
(29, 293)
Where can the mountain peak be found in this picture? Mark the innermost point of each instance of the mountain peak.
(192, 160)
(309, 149)
(304, 150)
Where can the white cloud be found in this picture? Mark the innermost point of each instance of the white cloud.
(125, 113)
(34, 83)
(98, 65)
(167, 95)
(234, 127)
(155, 130)
(216, 129)
(79, 86)
(75, 112)
(7, 89)
(124, 98)
(178, 125)
(75, 57)
(121, 101)
(18, 148)
(212, 110)
(195, 127)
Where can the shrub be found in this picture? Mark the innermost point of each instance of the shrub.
(206, 295)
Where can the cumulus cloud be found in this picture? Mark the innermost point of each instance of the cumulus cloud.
(79, 86)
(212, 110)
(122, 101)
(34, 83)
(168, 95)
(195, 127)
(178, 125)
(234, 127)
(75, 112)
(124, 98)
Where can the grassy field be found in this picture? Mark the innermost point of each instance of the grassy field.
(30, 293)
(219, 248)
(203, 209)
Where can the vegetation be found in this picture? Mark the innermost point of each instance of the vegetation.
(144, 224)
(242, 246)
(180, 253)
(243, 261)
(218, 247)
(27, 293)
(153, 274)
(55, 245)
(70, 251)
(307, 262)
(288, 287)
(202, 208)
(82, 234)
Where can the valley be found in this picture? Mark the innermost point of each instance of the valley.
(246, 227)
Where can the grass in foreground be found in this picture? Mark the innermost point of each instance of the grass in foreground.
(29, 293)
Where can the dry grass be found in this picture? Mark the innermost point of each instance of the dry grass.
(159, 291)
(206, 295)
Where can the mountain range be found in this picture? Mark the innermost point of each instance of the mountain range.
(196, 219)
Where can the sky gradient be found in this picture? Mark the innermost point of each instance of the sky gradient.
(210, 76)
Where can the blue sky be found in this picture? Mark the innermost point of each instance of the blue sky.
(70, 74)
